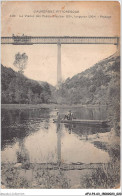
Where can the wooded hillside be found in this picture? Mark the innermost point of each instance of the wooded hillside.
(96, 85)
(16, 88)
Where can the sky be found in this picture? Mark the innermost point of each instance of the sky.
(59, 19)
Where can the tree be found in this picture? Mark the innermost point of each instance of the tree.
(20, 61)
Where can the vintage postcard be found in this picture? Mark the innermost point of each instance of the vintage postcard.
(60, 98)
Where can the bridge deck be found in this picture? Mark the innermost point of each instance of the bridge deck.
(30, 40)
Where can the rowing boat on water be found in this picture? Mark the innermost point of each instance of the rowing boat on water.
(79, 121)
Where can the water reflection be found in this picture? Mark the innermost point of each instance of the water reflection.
(85, 129)
(58, 142)
(22, 153)
(30, 136)
(78, 148)
(17, 124)
(89, 113)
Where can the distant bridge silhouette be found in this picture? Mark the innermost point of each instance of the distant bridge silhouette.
(31, 40)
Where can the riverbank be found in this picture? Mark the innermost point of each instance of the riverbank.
(51, 106)
(42, 176)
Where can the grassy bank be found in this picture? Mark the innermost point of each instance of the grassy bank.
(38, 177)
(106, 177)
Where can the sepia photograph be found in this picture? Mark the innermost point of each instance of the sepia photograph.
(60, 95)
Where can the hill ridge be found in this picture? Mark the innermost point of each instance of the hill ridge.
(92, 85)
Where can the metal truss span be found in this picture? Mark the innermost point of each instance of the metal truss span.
(30, 40)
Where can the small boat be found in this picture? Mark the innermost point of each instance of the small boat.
(84, 122)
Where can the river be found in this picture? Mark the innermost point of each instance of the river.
(30, 134)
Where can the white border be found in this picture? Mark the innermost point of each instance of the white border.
(59, 192)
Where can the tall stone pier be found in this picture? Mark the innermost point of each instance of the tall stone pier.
(59, 74)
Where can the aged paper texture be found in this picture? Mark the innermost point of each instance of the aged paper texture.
(60, 80)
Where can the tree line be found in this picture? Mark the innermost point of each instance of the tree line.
(16, 88)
